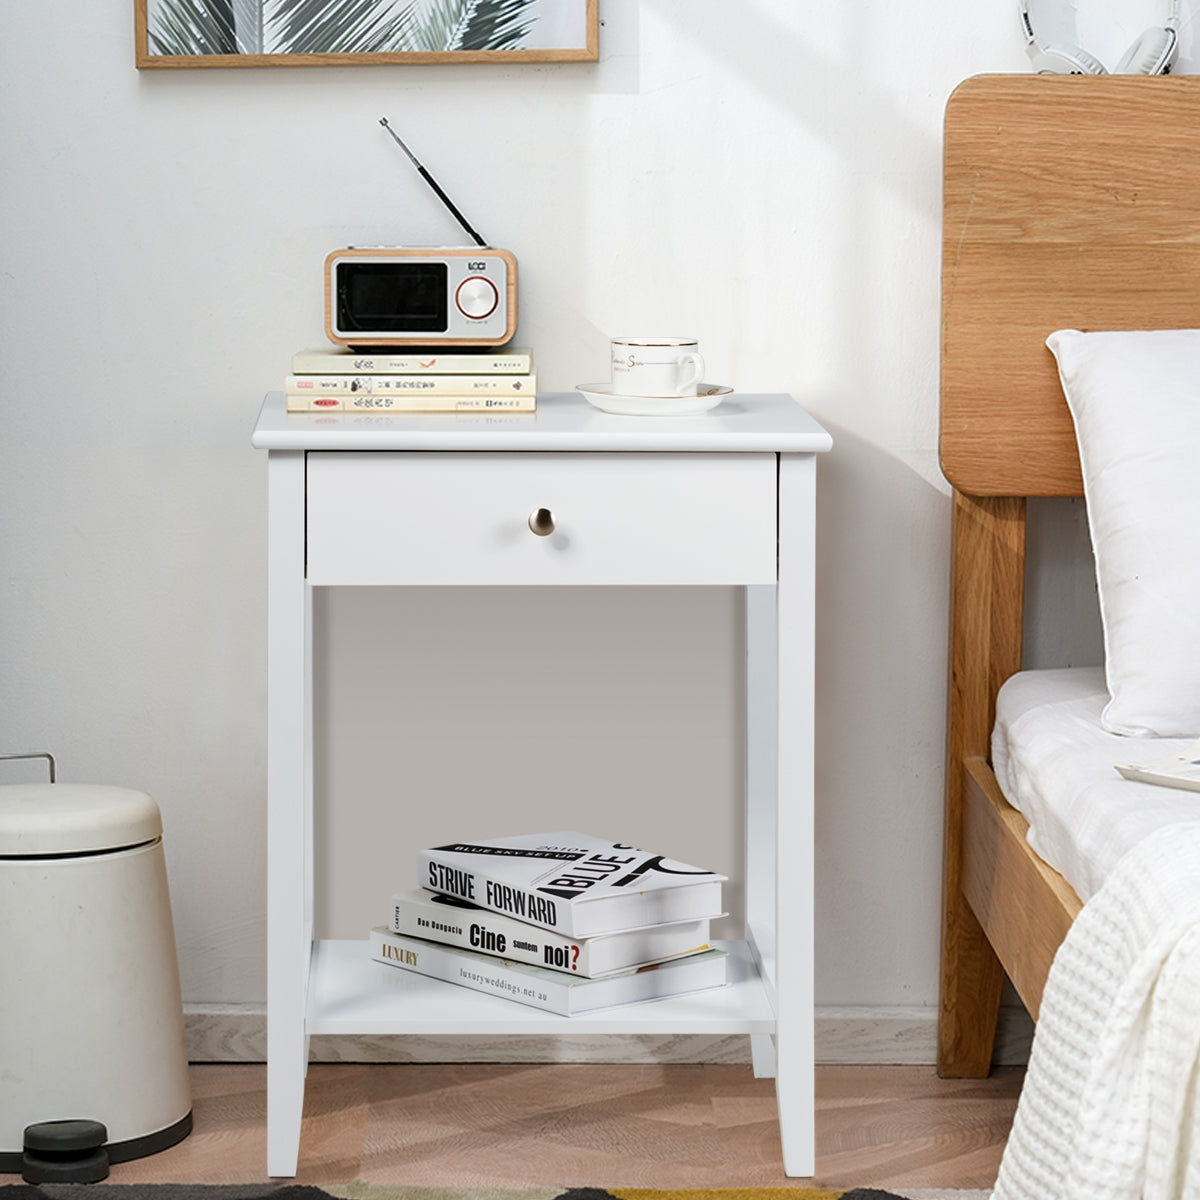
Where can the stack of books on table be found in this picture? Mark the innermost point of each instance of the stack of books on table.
(564, 922)
(341, 380)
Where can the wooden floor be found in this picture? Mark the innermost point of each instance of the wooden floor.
(691, 1125)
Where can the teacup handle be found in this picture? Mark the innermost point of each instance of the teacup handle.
(696, 375)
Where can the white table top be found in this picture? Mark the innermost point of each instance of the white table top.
(742, 422)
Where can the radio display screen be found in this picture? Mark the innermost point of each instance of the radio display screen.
(396, 297)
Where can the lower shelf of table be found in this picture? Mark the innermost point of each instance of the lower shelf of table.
(349, 993)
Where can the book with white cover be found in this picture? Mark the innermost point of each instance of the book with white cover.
(326, 360)
(455, 922)
(1177, 770)
(573, 883)
(567, 995)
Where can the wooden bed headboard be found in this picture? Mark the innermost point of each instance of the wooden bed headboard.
(1069, 202)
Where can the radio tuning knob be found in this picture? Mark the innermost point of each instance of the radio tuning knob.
(477, 297)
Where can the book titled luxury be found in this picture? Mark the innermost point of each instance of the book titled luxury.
(573, 883)
(567, 995)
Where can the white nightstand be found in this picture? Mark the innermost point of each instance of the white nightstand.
(726, 498)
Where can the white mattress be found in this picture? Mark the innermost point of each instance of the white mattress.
(1056, 765)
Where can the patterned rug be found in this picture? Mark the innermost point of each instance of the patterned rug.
(360, 1191)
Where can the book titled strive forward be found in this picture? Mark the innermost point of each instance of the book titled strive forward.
(572, 883)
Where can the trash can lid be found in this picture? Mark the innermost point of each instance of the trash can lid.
(74, 818)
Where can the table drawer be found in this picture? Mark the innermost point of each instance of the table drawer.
(434, 518)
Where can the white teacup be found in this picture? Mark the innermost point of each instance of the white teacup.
(656, 366)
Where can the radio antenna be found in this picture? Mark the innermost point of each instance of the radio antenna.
(433, 183)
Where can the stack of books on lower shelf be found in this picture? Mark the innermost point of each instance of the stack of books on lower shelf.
(565, 922)
(463, 380)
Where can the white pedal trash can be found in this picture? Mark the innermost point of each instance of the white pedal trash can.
(91, 1018)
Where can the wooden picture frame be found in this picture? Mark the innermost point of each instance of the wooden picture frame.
(325, 33)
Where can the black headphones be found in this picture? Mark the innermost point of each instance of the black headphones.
(1151, 54)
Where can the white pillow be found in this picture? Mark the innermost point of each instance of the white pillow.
(1135, 399)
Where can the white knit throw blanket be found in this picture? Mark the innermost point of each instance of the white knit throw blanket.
(1111, 1102)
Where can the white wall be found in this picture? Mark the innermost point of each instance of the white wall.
(765, 175)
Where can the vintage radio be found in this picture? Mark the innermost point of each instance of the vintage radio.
(404, 296)
(387, 296)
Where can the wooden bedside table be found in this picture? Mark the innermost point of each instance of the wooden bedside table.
(566, 495)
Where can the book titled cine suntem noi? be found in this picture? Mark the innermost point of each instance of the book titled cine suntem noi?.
(455, 922)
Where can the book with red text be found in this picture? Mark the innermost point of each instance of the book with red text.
(573, 883)
(553, 991)
(410, 385)
(408, 403)
(455, 922)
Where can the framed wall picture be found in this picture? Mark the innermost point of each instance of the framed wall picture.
(278, 33)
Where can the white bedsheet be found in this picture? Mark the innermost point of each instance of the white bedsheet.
(1055, 765)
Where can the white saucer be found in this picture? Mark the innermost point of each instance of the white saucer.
(708, 396)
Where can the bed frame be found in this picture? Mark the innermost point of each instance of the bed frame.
(1069, 202)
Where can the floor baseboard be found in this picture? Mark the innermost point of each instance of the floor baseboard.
(858, 1035)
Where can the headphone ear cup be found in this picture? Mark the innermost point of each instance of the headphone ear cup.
(1064, 60)
(1149, 55)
